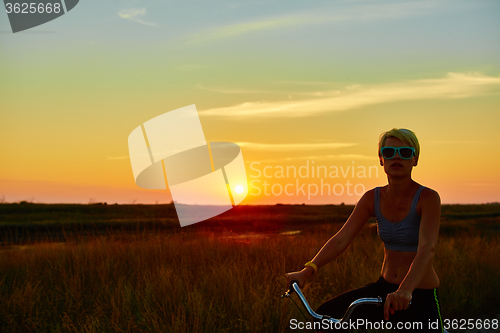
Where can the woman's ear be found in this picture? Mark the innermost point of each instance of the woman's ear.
(416, 161)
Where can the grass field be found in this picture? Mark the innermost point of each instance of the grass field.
(99, 268)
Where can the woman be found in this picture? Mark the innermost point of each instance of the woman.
(408, 216)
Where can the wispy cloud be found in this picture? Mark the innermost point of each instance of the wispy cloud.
(453, 85)
(247, 27)
(294, 146)
(483, 184)
(303, 83)
(232, 91)
(135, 15)
(117, 158)
(329, 158)
(348, 12)
(344, 157)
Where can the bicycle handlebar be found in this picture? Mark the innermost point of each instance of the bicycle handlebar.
(294, 287)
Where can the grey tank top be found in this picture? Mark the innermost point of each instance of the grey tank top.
(402, 235)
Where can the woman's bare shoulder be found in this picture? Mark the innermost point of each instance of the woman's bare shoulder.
(367, 200)
(429, 201)
(430, 195)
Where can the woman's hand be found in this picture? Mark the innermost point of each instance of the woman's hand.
(396, 301)
(300, 276)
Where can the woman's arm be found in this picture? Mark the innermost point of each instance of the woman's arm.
(340, 241)
(428, 236)
(343, 238)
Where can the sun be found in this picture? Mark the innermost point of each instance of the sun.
(239, 189)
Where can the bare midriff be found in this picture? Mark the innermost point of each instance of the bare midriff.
(396, 265)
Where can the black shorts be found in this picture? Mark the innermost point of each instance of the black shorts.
(422, 316)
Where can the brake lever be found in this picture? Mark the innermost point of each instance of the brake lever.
(290, 290)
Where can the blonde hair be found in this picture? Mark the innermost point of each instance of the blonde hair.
(403, 134)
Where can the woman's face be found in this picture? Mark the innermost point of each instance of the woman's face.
(397, 166)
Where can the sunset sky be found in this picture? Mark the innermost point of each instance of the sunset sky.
(297, 84)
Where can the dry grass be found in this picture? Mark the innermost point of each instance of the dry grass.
(202, 282)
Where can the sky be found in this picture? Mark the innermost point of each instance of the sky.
(305, 89)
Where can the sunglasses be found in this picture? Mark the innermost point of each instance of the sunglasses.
(404, 152)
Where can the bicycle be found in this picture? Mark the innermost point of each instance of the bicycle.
(326, 322)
